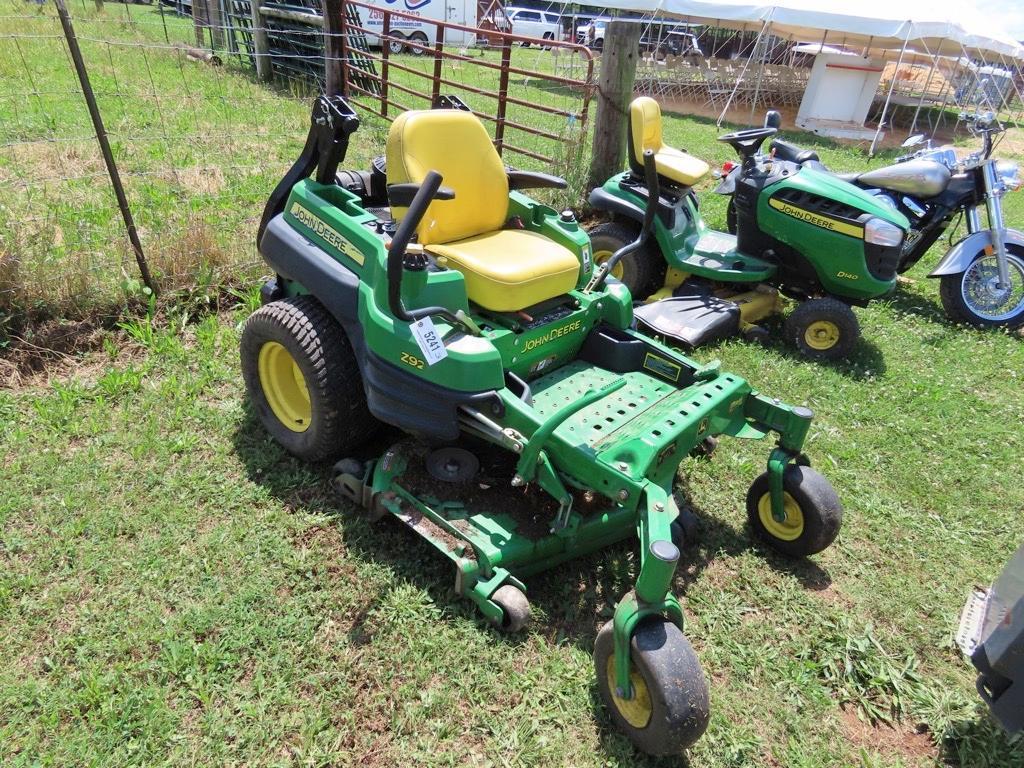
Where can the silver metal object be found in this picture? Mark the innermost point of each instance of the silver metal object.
(924, 178)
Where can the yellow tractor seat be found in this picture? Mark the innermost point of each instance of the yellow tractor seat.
(510, 269)
(645, 133)
(505, 270)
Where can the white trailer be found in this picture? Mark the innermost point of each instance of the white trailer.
(454, 11)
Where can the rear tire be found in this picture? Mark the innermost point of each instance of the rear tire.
(303, 379)
(418, 37)
(396, 46)
(962, 294)
(823, 329)
(639, 270)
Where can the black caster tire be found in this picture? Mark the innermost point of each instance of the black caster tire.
(303, 379)
(515, 608)
(964, 294)
(639, 270)
(684, 529)
(671, 707)
(705, 449)
(814, 514)
(823, 329)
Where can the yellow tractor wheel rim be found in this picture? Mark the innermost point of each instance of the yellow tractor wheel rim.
(284, 387)
(822, 334)
(789, 529)
(600, 257)
(638, 710)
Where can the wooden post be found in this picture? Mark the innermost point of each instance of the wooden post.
(334, 47)
(216, 22)
(614, 92)
(261, 44)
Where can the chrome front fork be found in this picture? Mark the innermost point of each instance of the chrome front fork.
(994, 208)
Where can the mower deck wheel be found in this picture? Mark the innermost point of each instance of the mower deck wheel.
(515, 608)
(303, 379)
(823, 329)
(813, 512)
(684, 528)
(670, 706)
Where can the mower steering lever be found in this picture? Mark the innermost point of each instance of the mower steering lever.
(653, 196)
(426, 193)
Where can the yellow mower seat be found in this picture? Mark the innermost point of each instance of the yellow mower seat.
(505, 269)
(645, 133)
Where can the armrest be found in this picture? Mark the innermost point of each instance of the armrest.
(533, 180)
(402, 194)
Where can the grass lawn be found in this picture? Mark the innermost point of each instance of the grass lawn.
(175, 590)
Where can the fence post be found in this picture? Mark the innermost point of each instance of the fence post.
(101, 137)
(334, 47)
(614, 92)
(261, 44)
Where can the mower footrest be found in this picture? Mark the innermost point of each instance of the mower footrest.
(690, 320)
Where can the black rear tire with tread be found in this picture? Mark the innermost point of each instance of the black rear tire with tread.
(680, 703)
(641, 269)
(320, 348)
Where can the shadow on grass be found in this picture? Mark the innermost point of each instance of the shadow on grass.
(570, 602)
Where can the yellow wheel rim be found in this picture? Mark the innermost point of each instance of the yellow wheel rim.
(822, 334)
(638, 710)
(788, 529)
(600, 257)
(284, 387)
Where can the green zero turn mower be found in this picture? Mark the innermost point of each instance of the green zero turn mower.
(802, 234)
(540, 425)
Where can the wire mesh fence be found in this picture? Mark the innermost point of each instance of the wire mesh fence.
(198, 139)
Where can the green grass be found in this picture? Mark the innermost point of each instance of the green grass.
(175, 590)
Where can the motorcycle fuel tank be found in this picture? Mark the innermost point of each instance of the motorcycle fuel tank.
(924, 178)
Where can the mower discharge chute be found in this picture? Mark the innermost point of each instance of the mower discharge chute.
(541, 426)
(802, 234)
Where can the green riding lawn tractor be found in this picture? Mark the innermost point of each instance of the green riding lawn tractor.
(801, 234)
(539, 424)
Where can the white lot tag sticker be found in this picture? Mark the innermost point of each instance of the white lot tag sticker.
(428, 340)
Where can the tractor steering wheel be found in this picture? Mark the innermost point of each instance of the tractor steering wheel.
(748, 142)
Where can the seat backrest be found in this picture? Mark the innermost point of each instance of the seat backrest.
(644, 130)
(455, 144)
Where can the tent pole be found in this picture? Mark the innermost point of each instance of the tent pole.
(924, 92)
(760, 76)
(743, 72)
(888, 96)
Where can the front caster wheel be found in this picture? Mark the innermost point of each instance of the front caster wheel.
(813, 512)
(515, 608)
(670, 706)
(823, 329)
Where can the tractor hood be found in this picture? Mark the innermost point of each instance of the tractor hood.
(833, 188)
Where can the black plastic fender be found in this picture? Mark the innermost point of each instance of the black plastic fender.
(602, 200)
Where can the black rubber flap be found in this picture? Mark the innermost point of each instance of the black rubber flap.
(692, 320)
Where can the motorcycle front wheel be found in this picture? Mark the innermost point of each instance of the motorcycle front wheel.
(975, 296)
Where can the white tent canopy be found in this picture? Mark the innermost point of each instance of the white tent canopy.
(943, 27)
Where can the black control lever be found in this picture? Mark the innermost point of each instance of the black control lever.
(428, 191)
(653, 198)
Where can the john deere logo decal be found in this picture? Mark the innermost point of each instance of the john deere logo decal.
(327, 233)
(551, 335)
(825, 222)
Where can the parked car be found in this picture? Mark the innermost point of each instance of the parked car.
(534, 23)
(591, 34)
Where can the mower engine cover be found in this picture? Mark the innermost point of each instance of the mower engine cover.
(806, 217)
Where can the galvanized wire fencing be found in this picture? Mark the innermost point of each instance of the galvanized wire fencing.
(200, 140)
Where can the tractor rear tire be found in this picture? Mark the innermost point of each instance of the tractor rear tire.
(639, 270)
(303, 379)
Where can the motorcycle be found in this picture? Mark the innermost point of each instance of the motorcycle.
(981, 277)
